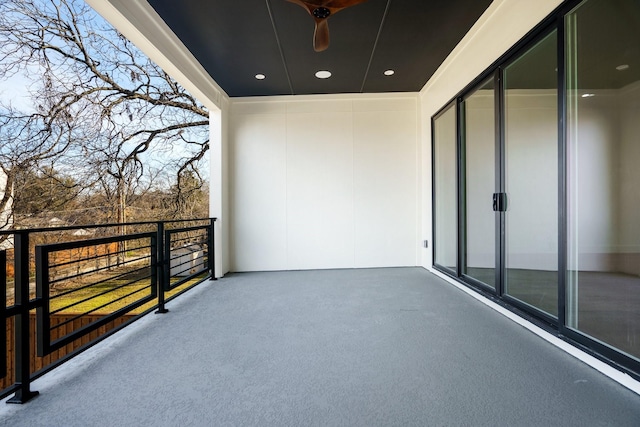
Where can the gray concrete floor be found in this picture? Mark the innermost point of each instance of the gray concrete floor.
(373, 347)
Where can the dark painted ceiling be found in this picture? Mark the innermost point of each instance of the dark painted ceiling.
(236, 39)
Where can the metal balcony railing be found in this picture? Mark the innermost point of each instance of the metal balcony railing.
(65, 288)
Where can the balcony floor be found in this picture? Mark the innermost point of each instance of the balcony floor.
(372, 347)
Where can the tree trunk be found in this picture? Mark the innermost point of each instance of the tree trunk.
(121, 219)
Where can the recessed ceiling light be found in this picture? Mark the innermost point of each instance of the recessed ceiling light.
(622, 67)
(260, 76)
(323, 74)
(389, 73)
(588, 95)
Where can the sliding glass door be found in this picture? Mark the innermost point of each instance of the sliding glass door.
(479, 184)
(509, 180)
(603, 172)
(530, 85)
(445, 189)
(537, 183)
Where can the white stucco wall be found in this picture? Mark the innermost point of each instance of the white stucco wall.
(219, 184)
(446, 206)
(531, 157)
(480, 172)
(604, 199)
(324, 182)
(628, 176)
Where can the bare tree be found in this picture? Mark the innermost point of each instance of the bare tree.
(44, 190)
(26, 142)
(189, 195)
(98, 101)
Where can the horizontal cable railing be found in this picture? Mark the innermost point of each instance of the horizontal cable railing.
(65, 288)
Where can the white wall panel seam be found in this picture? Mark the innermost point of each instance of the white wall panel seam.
(286, 186)
(353, 182)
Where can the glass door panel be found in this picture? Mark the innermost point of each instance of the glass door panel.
(603, 151)
(445, 193)
(531, 177)
(478, 110)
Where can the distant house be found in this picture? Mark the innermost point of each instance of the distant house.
(83, 232)
(56, 222)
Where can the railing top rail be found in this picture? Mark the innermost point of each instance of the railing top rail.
(183, 230)
(50, 247)
(80, 226)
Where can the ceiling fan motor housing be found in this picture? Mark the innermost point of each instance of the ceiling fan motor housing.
(321, 12)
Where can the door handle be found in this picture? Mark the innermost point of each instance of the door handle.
(499, 202)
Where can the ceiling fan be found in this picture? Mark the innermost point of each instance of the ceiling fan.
(320, 11)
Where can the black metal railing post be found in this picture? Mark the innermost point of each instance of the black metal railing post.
(161, 267)
(212, 250)
(22, 321)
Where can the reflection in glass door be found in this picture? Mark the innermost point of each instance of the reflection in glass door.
(531, 176)
(445, 184)
(603, 176)
(478, 112)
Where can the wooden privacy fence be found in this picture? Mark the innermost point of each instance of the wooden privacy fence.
(37, 363)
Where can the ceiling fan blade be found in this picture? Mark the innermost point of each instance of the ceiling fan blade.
(320, 11)
(338, 4)
(331, 4)
(321, 36)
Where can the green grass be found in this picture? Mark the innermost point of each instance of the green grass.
(110, 295)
